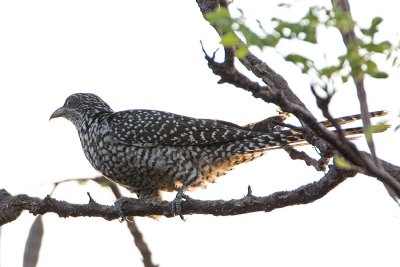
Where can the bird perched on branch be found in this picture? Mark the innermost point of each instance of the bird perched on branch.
(149, 151)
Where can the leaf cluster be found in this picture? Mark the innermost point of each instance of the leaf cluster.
(357, 61)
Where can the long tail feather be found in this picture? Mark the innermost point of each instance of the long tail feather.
(355, 117)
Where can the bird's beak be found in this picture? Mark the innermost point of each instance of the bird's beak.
(58, 113)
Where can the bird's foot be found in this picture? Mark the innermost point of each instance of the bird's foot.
(119, 206)
(177, 204)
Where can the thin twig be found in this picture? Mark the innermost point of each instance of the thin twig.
(136, 233)
(301, 155)
(323, 105)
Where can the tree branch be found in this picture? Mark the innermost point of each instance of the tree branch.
(349, 38)
(319, 165)
(277, 91)
(12, 206)
(229, 74)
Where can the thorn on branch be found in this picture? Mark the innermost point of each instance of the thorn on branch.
(249, 191)
(91, 200)
(229, 74)
(322, 102)
(205, 52)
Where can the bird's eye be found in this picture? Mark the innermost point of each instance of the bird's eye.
(71, 102)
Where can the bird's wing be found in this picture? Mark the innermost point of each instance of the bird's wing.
(148, 128)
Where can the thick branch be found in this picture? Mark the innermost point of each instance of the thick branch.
(12, 206)
(134, 207)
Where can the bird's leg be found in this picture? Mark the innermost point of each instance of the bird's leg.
(191, 179)
(177, 202)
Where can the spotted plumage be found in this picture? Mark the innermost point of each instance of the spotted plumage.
(150, 151)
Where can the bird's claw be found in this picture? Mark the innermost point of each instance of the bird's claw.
(177, 204)
(119, 206)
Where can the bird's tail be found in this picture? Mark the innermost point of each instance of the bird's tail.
(296, 138)
(352, 118)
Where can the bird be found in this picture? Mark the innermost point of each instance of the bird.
(149, 151)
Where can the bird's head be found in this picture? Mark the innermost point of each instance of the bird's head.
(79, 106)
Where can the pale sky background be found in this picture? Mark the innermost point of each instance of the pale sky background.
(147, 54)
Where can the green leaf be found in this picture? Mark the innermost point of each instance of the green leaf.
(271, 40)
(305, 29)
(373, 71)
(312, 16)
(394, 62)
(242, 52)
(345, 78)
(217, 14)
(377, 48)
(373, 28)
(251, 37)
(311, 34)
(376, 21)
(329, 71)
(82, 181)
(377, 128)
(304, 63)
(371, 66)
(230, 39)
(221, 19)
(341, 163)
(379, 75)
